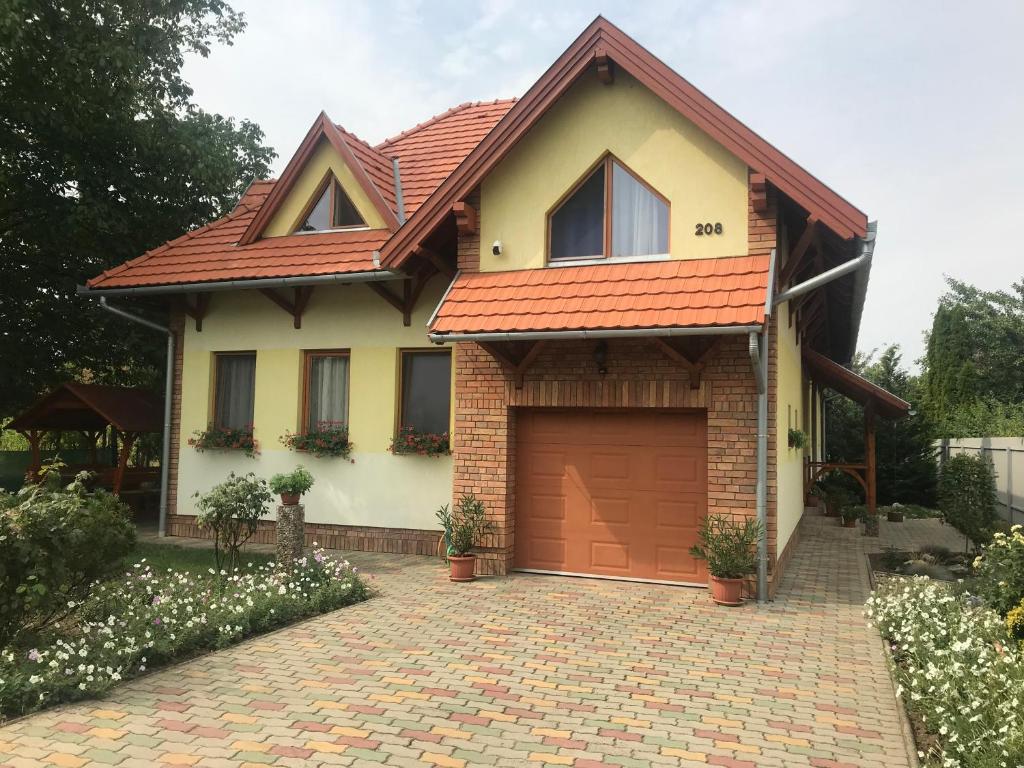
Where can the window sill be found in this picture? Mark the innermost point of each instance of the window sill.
(611, 260)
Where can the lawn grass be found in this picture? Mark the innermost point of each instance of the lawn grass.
(195, 560)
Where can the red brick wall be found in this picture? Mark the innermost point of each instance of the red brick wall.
(639, 376)
(177, 326)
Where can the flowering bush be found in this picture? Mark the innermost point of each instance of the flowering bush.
(148, 618)
(955, 670)
(54, 543)
(408, 440)
(327, 438)
(232, 510)
(215, 438)
(999, 571)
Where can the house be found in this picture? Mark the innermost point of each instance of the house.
(619, 303)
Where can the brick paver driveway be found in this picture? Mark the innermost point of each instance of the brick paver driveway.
(519, 671)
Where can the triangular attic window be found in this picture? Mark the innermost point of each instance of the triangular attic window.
(333, 210)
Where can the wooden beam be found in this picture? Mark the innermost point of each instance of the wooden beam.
(197, 311)
(407, 302)
(439, 263)
(122, 462)
(870, 460)
(796, 256)
(499, 354)
(465, 217)
(758, 192)
(388, 296)
(516, 364)
(527, 360)
(278, 299)
(693, 363)
(605, 67)
(302, 296)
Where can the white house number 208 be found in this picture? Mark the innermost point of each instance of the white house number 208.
(709, 229)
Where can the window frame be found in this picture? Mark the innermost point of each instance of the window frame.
(215, 421)
(307, 365)
(606, 160)
(321, 187)
(399, 410)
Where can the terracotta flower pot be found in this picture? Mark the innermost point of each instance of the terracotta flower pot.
(462, 567)
(290, 499)
(894, 517)
(726, 591)
(848, 523)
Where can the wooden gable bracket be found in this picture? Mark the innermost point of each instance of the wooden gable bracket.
(693, 362)
(412, 287)
(799, 252)
(605, 67)
(516, 363)
(435, 259)
(294, 308)
(198, 310)
(758, 192)
(465, 217)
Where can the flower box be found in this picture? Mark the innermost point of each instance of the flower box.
(225, 439)
(327, 439)
(410, 442)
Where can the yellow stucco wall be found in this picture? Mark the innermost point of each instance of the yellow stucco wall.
(379, 489)
(790, 386)
(702, 181)
(288, 215)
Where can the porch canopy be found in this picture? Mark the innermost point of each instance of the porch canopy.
(876, 402)
(90, 409)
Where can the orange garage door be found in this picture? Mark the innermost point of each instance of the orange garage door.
(611, 493)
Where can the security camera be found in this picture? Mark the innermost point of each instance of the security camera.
(496, 248)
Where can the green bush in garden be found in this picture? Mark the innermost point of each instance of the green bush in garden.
(999, 571)
(55, 542)
(232, 510)
(967, 496)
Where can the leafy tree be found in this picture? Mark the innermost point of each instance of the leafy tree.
(232, 511)
(103, 155)
(906, 466)
(974, 364)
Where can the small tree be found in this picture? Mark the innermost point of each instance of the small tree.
(967, 497)
(232, 510)
(464, 526)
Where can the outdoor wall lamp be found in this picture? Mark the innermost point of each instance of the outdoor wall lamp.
(601, 357)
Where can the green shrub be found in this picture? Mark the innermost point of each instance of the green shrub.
(729, 547)
(999, 571)
(232, 510)
(55, 542)
(465, 525)
(967, 496)
(297, 482)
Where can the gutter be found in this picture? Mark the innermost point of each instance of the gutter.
(757, 346)
(165, 449)
(620, 333)
(241, 285)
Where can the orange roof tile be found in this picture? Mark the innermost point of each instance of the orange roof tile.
(658, 294)
(210, 253)
(428, 153)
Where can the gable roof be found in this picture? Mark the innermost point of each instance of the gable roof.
(211, 253)
(324, 129)
(74, 406)
(603, 40)
(675, 293)
(427, 153)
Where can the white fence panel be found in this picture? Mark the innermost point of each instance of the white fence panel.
(1007, 456)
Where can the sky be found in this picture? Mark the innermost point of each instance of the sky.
(913, 111)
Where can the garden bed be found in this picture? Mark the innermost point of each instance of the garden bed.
(934, 561)
(170, 604)
(958, 673)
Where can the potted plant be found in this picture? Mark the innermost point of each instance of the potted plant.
(894, 514)
(797, 439)
(464, 526)
(729, 547)
(292, 485)
(871, 522)
(849, 514)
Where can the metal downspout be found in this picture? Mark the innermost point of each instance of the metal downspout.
(757, 344)
(165, 450)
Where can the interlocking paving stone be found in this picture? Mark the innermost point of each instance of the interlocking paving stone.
(524, 670)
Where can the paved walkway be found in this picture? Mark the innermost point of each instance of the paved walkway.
(521, 671)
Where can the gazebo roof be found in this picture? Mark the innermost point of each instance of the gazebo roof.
(857, 388)
(88, 407)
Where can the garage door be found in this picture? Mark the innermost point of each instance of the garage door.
(617, 494)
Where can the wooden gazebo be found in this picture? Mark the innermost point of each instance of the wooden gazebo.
(90, 409)
(877, 402)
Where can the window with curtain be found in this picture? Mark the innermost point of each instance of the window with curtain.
(610, 213)
(333, 210)
(326, 389)
(426, 391)
(234, 389)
